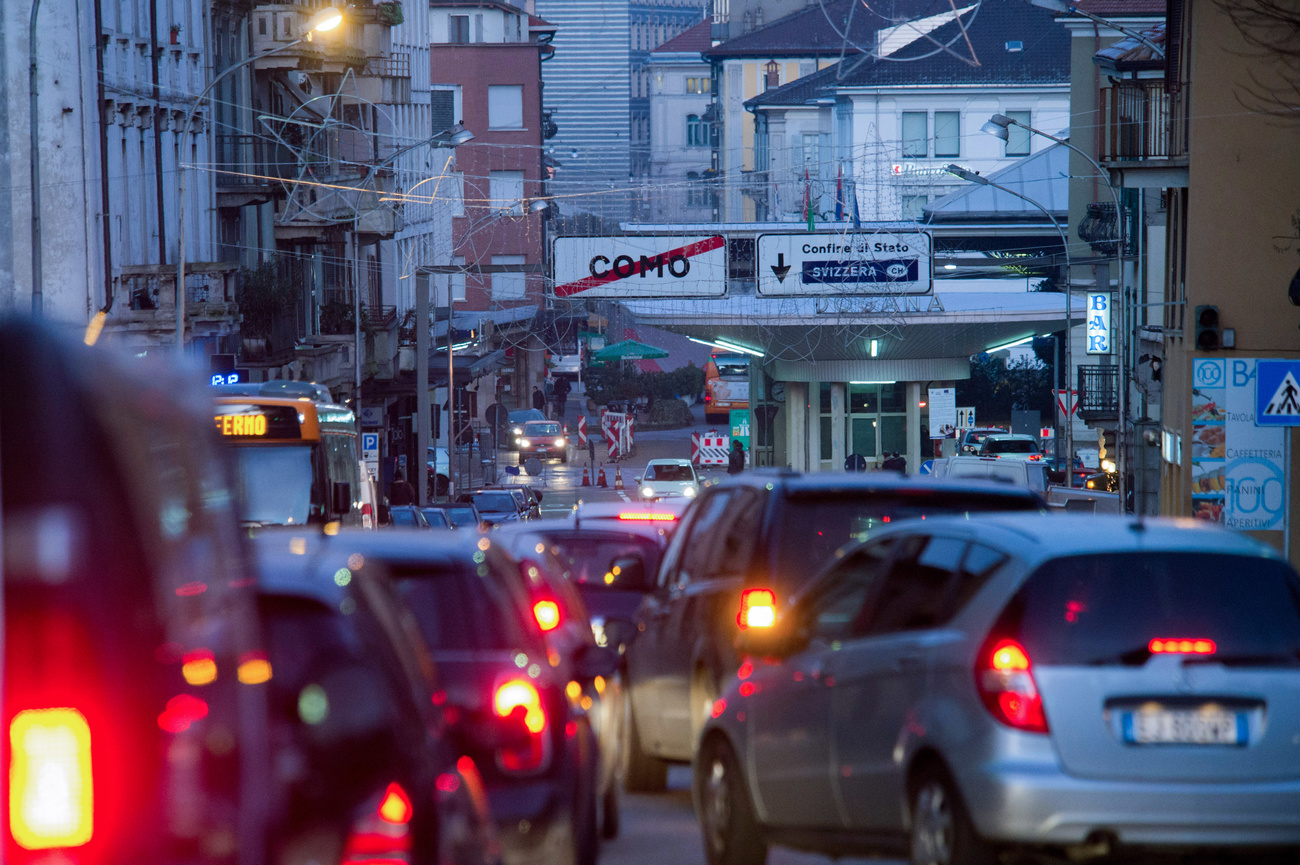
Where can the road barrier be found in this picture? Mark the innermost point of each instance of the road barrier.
(709, 449)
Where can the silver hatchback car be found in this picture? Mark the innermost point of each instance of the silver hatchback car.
(957, 688)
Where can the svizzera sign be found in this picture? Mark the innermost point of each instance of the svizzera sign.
(641, 266)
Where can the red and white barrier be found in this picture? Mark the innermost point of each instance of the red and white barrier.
(582, 431)
(709, 450)
(617, 430)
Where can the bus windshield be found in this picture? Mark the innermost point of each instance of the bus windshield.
(274, 484)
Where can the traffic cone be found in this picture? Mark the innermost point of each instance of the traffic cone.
(600, 478)
(618, 479)
(586, 477)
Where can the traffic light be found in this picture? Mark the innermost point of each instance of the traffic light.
(1209, 335)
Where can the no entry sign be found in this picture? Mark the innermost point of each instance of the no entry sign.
(642, 266)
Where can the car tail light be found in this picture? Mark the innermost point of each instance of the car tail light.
(382, 836)
(518, 699)
(547, 614)
(51, 790)
(1182, 646)
(646, 517)
(1005, 678)
(757, 609)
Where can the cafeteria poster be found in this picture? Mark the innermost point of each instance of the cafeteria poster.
(1237, 467)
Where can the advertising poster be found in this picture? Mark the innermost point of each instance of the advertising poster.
(1237, 467)
(943, 412)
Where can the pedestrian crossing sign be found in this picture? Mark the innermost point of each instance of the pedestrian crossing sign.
(1277, 393)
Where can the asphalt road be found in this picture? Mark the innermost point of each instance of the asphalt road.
(659, 829)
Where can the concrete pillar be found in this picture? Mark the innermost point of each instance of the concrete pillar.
(814, 426)
(839, 447)
(796, 423)
(913, 426)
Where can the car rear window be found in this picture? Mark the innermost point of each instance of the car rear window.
(495, 502)
(1106, 609)
(1010, 446)
(813, 528)
(458, 611)
(587, 560)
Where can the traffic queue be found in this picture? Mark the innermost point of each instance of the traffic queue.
(210, 659)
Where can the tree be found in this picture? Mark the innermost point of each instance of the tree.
(263, 296)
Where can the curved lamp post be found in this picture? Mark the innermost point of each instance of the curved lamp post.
(999, 126)
(973, 177)
(323, 21)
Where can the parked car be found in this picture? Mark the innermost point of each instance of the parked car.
(744, 548)
(665, 514)
(665, 478)
(1065, 685)
(1021, 472)
(462, 515)
(518, 418)
(972, 439)
(476, 614)
(1010, 447)
(376, 772)
(544, 439)
(532, 498)
(407, 517)
(437, 518)
(126, 590)
(495, 506)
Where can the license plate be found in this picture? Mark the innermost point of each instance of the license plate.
(1185, 727)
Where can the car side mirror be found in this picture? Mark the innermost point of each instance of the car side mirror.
(593, 661)
(629, 572)
(342, 501)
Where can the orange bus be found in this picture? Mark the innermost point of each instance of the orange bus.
(726, 386)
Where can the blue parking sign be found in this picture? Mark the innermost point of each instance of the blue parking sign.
(1277, 393)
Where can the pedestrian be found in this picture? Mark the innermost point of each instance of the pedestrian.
(401, 492)
(539, 399)
(736, 459)
(561, 396)
(895, 463)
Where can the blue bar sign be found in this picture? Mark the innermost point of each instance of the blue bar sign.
(1098, 328)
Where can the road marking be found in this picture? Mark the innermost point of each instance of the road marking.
(624, 496)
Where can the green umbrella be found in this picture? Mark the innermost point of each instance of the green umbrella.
(628, 349)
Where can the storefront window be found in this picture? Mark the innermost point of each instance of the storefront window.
(893, 397)
(864, 398)
(893, 434)
(863, 436)
(826, 437)
(825, 398)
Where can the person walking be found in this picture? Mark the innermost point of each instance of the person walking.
(539, 400)
(401, 492)
(561, 396)
(736, 459)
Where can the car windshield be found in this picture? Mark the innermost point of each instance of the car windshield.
(495, 502)
(587, 559)
(274, 484)
(1010, 446)
(813, 527)
(524, 415)
(542, 429)
(669, 472)
(1106, 609)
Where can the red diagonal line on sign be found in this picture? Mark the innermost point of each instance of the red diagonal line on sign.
(687, 251)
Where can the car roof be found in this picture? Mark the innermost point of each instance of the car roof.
(1006, 435)
(541, 420)
(612, 510)
(1039, 537)
(847, 483)
(669, 462)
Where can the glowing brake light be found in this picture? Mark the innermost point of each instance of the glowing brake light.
(51, 792)
(757, 609)
(1006, 683)
(517, 694)
(547, 614)
(1181, 646)
(647, 516)
(396, 806)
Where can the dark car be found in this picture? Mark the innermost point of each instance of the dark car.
(461, 515)
(532, 498)
(743, 548)
(518, 418)
(437, 518)
(407, 517)
(134, 685)
(476, 613)
(377, 772)
(495, 506)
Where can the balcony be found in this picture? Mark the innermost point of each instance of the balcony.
(1144, 137)
(386, 79)
(245, 168)
(1099, 393)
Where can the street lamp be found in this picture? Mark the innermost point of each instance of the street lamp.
(974, 177)
(999, 126)
(323, 21)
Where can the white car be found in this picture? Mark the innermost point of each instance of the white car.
(1008, 446)
(439, 470)
(669, 478)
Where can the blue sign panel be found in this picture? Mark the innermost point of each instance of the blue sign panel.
(887, 270)
(1277, 393)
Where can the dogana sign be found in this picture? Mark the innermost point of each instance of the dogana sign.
(641, 266)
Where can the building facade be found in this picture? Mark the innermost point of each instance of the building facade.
(681, 154)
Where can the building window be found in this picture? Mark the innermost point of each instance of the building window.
(699, 85)
(505, 106)
(458, 29)
(697, 134)
(914, 206)
(506, 191)
(915, 134)
(947, 133)
(456, 280)
(509, 286)
(1017, 138)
